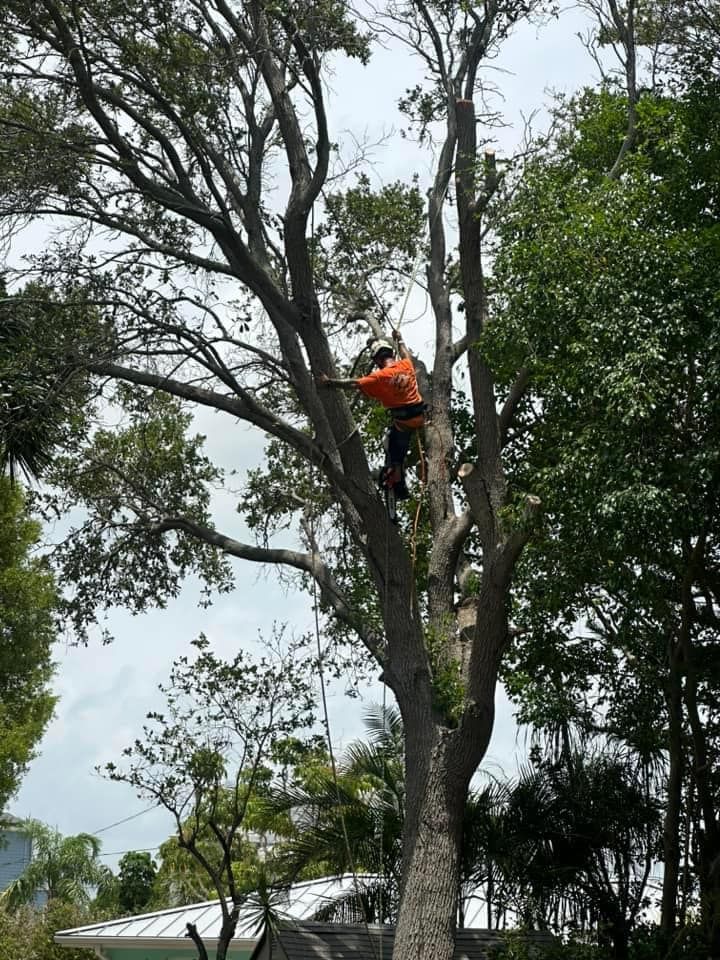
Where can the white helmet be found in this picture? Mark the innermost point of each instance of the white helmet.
(380, 349)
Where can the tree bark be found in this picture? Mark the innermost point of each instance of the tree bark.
(440, 764)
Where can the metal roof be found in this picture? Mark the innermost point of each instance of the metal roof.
(9, 822)
(303, 940)
(169, 927)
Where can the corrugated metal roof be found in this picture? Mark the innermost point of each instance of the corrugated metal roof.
(303, 940)
(301, 901)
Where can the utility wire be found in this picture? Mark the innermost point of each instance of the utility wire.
(133, 816)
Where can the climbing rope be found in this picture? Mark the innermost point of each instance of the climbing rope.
(321, 671)
(328, 735)
(416, 521)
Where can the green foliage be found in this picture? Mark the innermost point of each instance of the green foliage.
(182, 879)
(43, 147)
(27, 933)
(447, 683)
(136, 875)
(606, 294)
(130, 478)
(368, 239)
(63, 868)
(685, 943)
(43, 396)
(569, 837)
(28, 603)
(518, 946)
(366, 806)
(205, 759)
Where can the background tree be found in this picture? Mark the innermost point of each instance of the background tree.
(203, 758)
(62, 868)
(609, 304)
(43, 396)
(28, 602)
(136, 875)
(348, 820)
(27, 933)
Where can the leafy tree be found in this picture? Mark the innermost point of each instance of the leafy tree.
(183, 878)
(62, 868)
(607, 297)
(204, 760)
(579, 837)
(27, 933)
(136, 875)
(43, 395)
(347, 820)
(27, 630)
(199, 139)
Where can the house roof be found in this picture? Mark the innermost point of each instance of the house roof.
(9, 822)
(168, 928)
(304, 940)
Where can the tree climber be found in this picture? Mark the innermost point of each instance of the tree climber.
(394, 384)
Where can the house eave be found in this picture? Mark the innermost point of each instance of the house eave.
(149, 943)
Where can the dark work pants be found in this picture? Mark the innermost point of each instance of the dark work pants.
(398, 444)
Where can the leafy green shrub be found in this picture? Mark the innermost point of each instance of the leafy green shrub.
(27, 933)
(517, 946)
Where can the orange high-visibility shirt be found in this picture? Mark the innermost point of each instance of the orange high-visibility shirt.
(394, 386)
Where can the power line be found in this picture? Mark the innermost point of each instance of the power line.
(117, 853)
(133, 816)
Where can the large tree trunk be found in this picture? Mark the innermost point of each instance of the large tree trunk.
(427, 919)
(440, 763)
(442, 754)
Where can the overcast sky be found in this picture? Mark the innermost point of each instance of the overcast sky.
(105, 692)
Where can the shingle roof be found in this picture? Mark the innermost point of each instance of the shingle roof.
(304, 940)
(169, 927)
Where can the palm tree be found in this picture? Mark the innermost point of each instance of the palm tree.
(61, 868)
(574, 841)
(43, 390)
(352, 824)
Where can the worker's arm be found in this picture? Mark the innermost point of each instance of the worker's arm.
(402, 350)
(325, 381)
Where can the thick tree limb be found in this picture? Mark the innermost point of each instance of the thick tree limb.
(310, 563)
(197, 940)
(517, 392)
(243, 407)
(626, 33)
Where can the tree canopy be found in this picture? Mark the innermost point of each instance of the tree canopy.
(607, 296)
(209, 230)
(28, 603)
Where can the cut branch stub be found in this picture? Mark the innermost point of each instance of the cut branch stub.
(478, 499)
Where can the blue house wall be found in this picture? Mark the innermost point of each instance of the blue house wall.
(15, 853)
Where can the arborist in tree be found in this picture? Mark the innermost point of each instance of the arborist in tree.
(394, 384)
